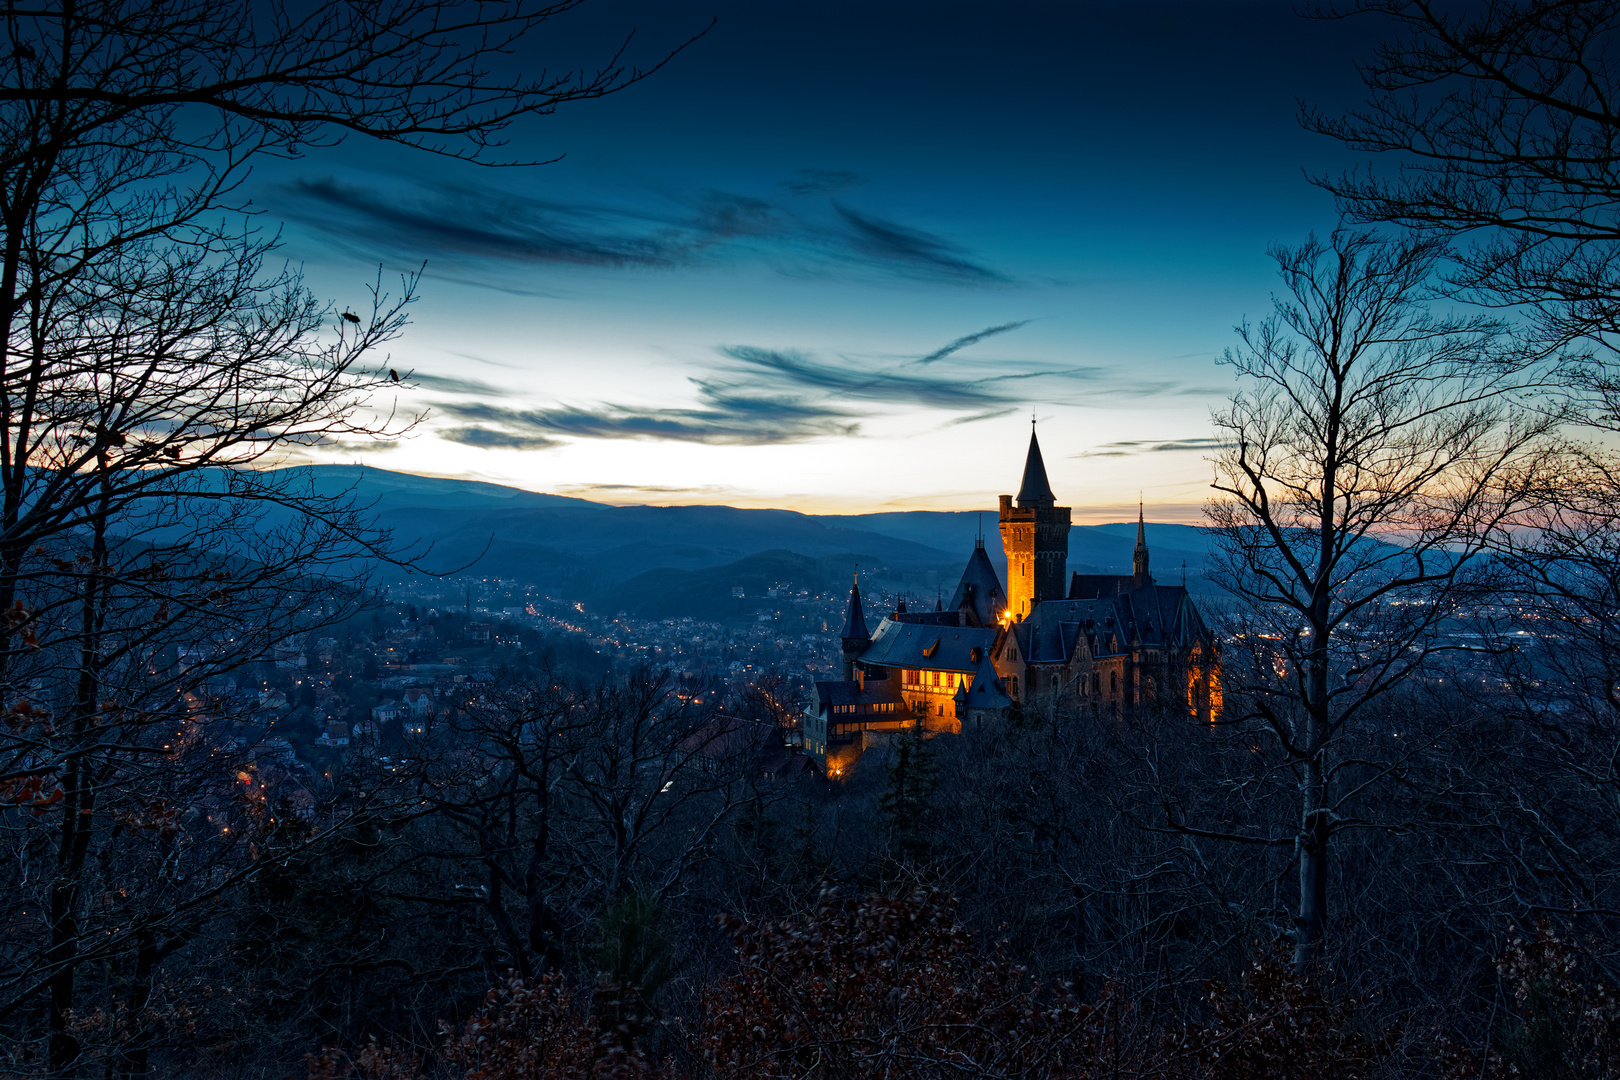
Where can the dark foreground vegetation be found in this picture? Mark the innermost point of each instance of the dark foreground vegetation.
(1396, 854)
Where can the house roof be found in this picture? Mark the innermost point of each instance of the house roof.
(982, 690)
(1155, 615)
(980, 589)
(939, 648)
(840, 692)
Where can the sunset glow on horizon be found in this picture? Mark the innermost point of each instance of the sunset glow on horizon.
(836, 270)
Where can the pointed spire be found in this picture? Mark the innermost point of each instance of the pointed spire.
(1036, 490)
(1139, 558)
(855, 622)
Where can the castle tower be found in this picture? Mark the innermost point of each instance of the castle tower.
(1139, 558)
(855, 635)
(1035, 536)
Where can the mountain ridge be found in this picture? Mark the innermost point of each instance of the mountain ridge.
(586, 547)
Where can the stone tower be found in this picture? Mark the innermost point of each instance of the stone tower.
(1035, 536)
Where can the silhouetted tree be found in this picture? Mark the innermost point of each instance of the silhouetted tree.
(153, 364)
(1369, 459)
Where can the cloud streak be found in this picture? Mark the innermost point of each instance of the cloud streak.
(452, 385)
(490, 228)
(821, 181)
(612, 490)
(492, 439)
(786, 370)
(722, 418)
(970, 339)
(1173, 446)
(758, 396)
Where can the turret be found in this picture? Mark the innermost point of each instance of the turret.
(855, 635)
(1139, 558)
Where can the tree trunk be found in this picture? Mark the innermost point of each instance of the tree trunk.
(1311, 925)
(132, 1056)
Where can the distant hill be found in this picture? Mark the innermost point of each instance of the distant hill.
(587, 549)
(1092, 548)
(710, 593)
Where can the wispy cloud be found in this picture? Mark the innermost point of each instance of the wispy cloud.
(475, 229)
(970, 339)
(615, 490)
(912, 250)
(491, 439)
(452, 385)
(790, 369)
(821, 181)
(723, 418)
(1173, 446)
(758, 396)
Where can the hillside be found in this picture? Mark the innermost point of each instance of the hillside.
(587, 549)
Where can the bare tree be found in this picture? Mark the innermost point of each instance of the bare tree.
(152, 366)
(1502, 126)
(1370, 457)
(1500, 130)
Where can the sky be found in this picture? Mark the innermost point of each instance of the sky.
(834, 257)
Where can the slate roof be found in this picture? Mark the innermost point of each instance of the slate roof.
(980, 588)
(928, 618)
(1157, 615)
(1088, 586)
(855, 621)
(850, 693)
(983, 691)
(938, 648)
(1036, 490)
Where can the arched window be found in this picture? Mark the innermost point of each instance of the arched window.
(1113, 682)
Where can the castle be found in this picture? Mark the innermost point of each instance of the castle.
(1106, 644)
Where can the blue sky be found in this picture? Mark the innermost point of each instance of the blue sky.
(832, 256)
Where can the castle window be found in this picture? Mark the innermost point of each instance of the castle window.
(1113, 682)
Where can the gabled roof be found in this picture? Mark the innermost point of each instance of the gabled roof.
(980, 588)
(1036, 490)
(939, 648)
(984, 692)
(982, 689)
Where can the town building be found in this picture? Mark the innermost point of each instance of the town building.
(1105, 645)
